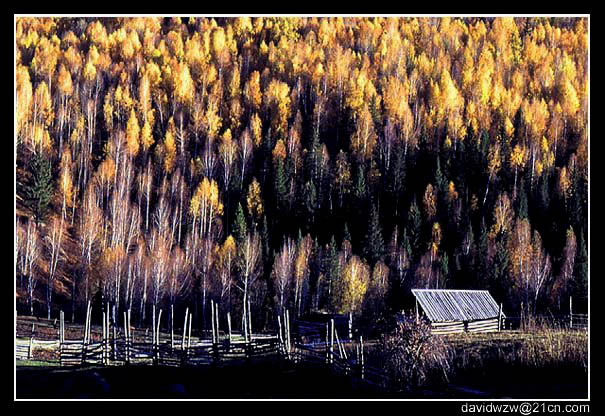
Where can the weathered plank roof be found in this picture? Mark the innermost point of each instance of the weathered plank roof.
(446, 305)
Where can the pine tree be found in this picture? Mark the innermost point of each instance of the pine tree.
(374, 249)
(522, 201)
(499, 283)
(310, 203)
(444, 270)
(240, 228)
(39, 186)
(346, 235)
(396, 177)
(360, 183)
(440, 181)
(414, 224)
(280, 182)
(264, 235)
(331, 270)
(482, 253)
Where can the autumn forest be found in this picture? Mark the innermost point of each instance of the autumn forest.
(314, 164)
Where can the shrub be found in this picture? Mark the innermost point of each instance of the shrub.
(412, 357)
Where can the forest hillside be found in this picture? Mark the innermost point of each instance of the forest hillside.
(313, 164)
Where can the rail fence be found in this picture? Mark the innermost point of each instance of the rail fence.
(574, 321)
(111, 345)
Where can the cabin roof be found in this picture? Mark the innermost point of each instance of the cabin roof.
(447, 305)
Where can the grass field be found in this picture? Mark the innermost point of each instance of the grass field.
(546, 363)
(543, 363)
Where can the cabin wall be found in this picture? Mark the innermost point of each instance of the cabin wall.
(483, 325)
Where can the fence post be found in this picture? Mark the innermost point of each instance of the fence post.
(212, 322)
(157, 334)
(229, 325)
(107, 344)
(249, 315)
(331, 341)
(279, 336)
(114, 332)
(126, 349)
(362, 361)
(218, 339)
(288, 333)
(500, 318)
(183, 352)
(86, 331)
(184, 329)
(103, 340)
(153, 336)
(130, 339)
(245, 322)
(570, 314)
(350, 325)
(189, 332)
(214, 331)
(171, 327)
(31, 345)
(326, 343)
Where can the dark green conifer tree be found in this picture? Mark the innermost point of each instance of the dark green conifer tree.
(374, 249)
(39, 186)
(346, 235)
(414, 226)
(240, 227)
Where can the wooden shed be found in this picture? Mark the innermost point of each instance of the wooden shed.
(451, 311)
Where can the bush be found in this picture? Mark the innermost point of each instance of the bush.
(412, 357)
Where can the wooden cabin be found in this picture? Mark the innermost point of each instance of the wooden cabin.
(451, 311)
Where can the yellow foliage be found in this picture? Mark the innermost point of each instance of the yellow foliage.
(279, 151)
(211, 120)
(518, 156)
(494, 162)
(254, 200)
(252, 91)
(183, 84)
(65, 180)
(168, 149)
(509, 128)
(256, 129)
(147, 139)
(452, 193)
(277, 98)
(355, 278)
(132, 134)
(64, 82)
(25, 95)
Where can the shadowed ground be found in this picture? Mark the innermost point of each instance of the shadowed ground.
(255, 380)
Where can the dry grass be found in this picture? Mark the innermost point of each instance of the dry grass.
(546, 361)
(541, 348)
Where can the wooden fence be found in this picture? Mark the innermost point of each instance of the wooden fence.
(126, 345)
(578, 321)
(333, 353)
(113, 345)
